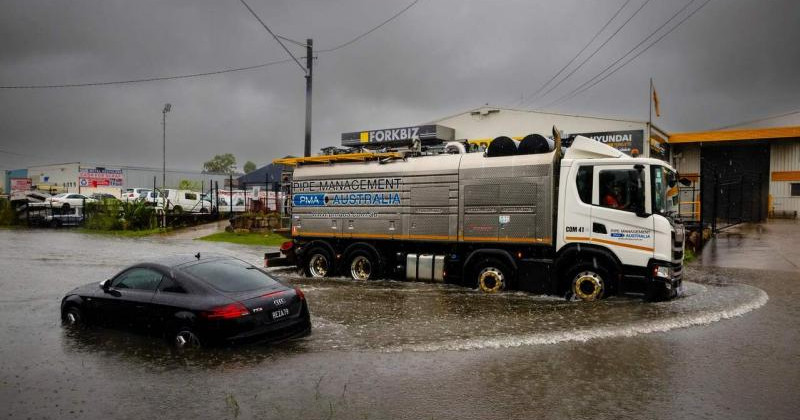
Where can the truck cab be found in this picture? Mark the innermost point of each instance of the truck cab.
(619, 210)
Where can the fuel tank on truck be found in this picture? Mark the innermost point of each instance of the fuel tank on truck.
(415, 198)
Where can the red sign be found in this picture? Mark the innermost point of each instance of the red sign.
(20, 184)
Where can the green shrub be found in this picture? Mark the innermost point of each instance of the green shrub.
(103, 215)
(8, 216)
(137, 215)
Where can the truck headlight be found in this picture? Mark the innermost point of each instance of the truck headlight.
(662, 271)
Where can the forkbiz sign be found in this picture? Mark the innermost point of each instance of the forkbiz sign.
(401, 135)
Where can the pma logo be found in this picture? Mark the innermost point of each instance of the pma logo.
(308, 200)
(616, 235)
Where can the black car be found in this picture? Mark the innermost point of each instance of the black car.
(193, 300)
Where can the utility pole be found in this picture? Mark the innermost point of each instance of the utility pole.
(309, 75)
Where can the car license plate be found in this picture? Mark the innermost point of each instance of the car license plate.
(280, 313)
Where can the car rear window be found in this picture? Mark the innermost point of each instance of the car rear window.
(231, 275)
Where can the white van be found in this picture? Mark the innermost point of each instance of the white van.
(184, 201)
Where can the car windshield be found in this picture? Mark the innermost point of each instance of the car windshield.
(231, 275)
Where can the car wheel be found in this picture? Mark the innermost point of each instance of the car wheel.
(73, 317)
(54, 223)
(185, 339)
(319, 263)
(363, 265)
(65, 208)
(588, 282)
(492, 276)
(203, 210)
(177, 209)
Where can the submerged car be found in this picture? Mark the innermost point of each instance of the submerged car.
(193, 300)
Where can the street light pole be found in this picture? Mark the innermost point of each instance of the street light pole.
(309, 75)
(167, 108)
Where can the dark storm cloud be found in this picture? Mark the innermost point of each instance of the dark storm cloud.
(732, 61)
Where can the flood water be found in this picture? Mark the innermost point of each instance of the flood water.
(726, 349)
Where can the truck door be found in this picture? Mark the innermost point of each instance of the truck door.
(621, 219)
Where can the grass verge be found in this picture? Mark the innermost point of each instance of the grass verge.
(262, 239)
(688, 256)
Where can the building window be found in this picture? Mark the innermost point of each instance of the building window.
(795, 189)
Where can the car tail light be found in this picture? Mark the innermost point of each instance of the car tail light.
(287, 246)
(300, 293)
(234, 310)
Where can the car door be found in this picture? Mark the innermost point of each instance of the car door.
(621, 219)
(127, 300)
(170, 298)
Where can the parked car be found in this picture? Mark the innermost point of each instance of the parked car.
(192, 300)
(132, 194)
(185, 201)
(103, 196)
(67, 200)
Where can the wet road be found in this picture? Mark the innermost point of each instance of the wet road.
(729, 348)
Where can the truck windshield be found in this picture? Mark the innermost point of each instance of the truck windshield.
(665, 190)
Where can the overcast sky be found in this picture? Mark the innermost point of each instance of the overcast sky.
(733, 60)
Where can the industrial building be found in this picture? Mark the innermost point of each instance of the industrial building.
(88, 179)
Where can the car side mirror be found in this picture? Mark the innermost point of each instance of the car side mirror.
(105, 284)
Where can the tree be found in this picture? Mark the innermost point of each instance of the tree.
(224, 164)
(249, 166)
(187, 184)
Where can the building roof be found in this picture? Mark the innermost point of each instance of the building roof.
(774, 133)
(259, 176)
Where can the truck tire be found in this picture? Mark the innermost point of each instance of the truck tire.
(363, 264)
(589, 282)
(491, 275)
(319, 262)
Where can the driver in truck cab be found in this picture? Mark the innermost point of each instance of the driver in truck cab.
(613, 196)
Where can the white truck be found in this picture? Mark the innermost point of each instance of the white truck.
(585, 225)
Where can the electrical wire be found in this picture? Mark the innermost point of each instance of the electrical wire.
(278, 40)
(534, 96)
(148, 79)
(393, 17)
(581, 89)
(598, 48)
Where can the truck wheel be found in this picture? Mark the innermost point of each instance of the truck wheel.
(363, 265)
(588, 282)
(319, 262)
(492, 276)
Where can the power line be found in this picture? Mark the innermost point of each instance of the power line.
(598, 48)
(278, 40)
(534, 95)
(796, 111)
(213, 72)
(393, 17)
(580, 90)
(148, 79)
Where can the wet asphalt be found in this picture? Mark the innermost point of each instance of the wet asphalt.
(729, 348)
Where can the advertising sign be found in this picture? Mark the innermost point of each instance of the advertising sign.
(20, 184)
(347, 192)
(402, 135)
(659, 149)
(95, 177)
(629, 142)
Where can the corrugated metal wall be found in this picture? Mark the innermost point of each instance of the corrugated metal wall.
(785, 157)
